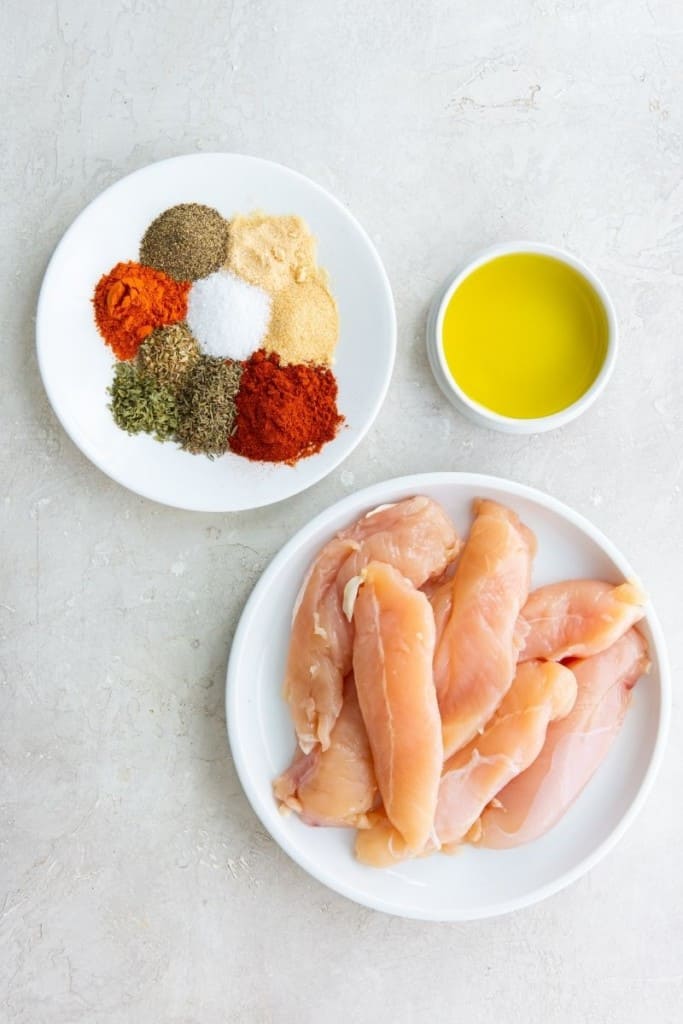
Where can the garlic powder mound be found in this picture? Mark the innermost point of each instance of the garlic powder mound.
(304, 323)
(271, 252)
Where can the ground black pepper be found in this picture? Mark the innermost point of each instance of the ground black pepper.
(187, 242)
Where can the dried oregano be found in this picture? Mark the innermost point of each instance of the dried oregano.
(140, 405)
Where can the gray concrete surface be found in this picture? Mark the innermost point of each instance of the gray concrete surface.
(135, 883)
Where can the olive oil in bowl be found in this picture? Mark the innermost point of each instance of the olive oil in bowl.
(525, 335)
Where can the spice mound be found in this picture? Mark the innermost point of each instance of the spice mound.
(225, 334)
(131, 300)
(270, 252)
(284, 413)
(206, 405)
(187, 242)
(140, 405)
(168, 354)
(304, 325)
(227, 316)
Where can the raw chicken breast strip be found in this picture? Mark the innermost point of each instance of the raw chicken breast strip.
(476, 656)
(579, 618)
(574, 748)
(337, 786)
(440, 594)
(319, 649)
(540, 693)
(417, 537)
(392, 664)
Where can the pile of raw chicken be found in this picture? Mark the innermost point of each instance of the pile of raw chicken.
(435, 700)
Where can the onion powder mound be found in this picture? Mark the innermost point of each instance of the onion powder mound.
(228, 317)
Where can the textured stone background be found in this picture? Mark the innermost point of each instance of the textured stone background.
(135, 882)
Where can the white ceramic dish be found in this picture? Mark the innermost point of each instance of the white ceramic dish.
(478, 413)
(76, 366)
(475, 883)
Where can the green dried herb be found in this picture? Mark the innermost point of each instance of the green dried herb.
(187, 242)
(140, 405)
(206, 405)
(168, 354)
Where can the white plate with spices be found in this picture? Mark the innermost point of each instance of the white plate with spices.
(76, 366)
(475, 883)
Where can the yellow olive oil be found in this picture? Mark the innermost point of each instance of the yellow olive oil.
(525, 335)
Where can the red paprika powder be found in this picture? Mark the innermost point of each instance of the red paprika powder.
(284, 413)
(131, 300)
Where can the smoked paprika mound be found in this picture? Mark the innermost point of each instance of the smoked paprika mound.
(284, 413)
(131, 301)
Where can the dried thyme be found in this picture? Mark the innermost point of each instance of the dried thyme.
(140, 405)
(206, 405)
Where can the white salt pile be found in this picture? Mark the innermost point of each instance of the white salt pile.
(228, 317)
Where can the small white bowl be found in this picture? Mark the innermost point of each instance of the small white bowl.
(478, 413)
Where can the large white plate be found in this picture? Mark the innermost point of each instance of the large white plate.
(474, 883)
(76, 366)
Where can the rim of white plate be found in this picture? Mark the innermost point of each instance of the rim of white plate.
(83, 444)
(378, 492)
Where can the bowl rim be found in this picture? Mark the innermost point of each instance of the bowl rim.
(481, 413)
(400, 487)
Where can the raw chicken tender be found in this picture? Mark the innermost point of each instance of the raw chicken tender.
(578, 618)
(381, 845)
(541, 692)
(476, 656)
(414, 535)
(440, 594)
(319, 649)
(392, 664)
(574, 748)
(335, 786)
